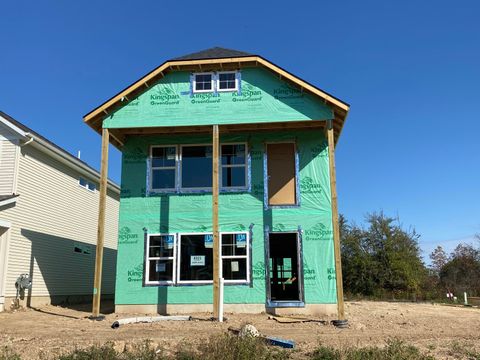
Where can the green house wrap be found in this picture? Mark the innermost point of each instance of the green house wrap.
(274, 254)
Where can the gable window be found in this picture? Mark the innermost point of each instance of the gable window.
(203, 82)
(234, 166)
(227, 81)
(196, 167)
(160, 259)
(87, 184)
(163, 167)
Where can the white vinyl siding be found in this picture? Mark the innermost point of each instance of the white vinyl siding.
(51, 215)
(8, 149)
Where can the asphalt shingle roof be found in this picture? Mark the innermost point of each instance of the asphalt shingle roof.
(213, 53)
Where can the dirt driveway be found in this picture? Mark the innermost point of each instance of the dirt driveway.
(433, 328)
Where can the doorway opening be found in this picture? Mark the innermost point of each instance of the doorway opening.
(285, 280)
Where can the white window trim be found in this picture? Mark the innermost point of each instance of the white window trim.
(247, 256)
(194, 82)
(148, 259)
(217, 79)
(234, 165)
(160, 190)
(88, 182)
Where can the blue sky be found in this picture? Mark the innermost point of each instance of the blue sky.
(409, 69)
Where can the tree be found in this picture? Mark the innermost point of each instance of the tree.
(462, 272)
(439, 259)
(384, 258)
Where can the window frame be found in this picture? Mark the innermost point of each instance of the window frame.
(217, 79)
(205, 282)
(246, 166)
(87, 184)
(212, 82)
(246, 256)
(152, 168)
(148, 259)
(180, 168)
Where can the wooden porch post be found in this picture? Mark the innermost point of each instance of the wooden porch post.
(216, 239)
(336, 228)
(101, 226)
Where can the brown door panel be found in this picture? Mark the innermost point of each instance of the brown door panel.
(281, 174)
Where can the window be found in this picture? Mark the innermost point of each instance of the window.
(196, 167)
(196, 258)
(87, 184)
(235, 257)
(163, 165)
(160, 259)
(80, 248)
(234, 166)
(227, 81)
(203, 82)
(191, 168)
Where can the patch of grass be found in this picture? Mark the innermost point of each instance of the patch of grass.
(394, 350)
(6, 353)
(142, 351)
(230, 347)
(463, 351)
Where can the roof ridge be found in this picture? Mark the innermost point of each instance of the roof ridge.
(216, 52)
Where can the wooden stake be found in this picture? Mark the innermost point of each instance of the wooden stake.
(336, 228)
(216, 239)
(97, 285)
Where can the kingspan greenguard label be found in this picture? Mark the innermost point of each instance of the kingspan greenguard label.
(262, 97)
(191, 213)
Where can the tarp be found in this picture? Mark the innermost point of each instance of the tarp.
(178, 213)
(262, 97)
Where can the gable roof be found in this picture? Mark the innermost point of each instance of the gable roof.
(210, 59)
(27, 133)
(213, 53)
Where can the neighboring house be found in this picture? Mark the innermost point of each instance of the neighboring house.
(48, 220)
(277, 216)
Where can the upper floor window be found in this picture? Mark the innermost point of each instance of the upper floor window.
(227, 81)
(203, 82)
(163, 167)
(220, 81)
(191, 168)
(87, 184)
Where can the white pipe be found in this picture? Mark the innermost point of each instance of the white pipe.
(220, 301)
(149, 319)
(465, 297)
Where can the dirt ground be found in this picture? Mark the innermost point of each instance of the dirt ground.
(53, 330)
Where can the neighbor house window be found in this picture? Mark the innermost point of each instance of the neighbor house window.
(163, 167)
(160, 259)
(203, 82)
(234, 166)
(227, 81)
(196, 258)
(196, 167)
(87, 184)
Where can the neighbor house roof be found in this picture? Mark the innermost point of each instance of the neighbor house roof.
(205, 60)
(25, 132)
